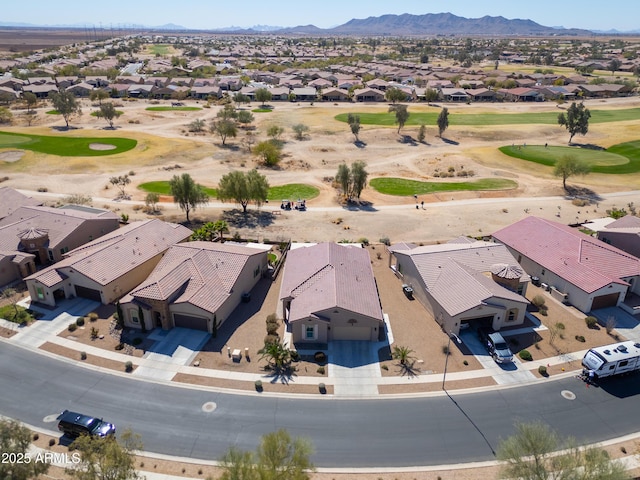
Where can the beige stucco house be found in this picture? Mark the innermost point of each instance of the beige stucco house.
(195, 285)
(32, 236)
(464, 283)
(328, 292)
(107, 268)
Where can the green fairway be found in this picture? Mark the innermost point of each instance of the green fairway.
(618, 159)
(65, 146)
(489, 119)
(174, 109)
(262, 110)
(160, 49)
(292, 191)
(95, 114)
(404, 188)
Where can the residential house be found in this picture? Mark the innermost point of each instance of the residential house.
(49, 233)
(82, 89)
(454, 94)
(368, 95)
(623, 233)
(335, 95)
(305, 94)
(328, 292)
(196, 285)
(464, 282)
(577, 268)
(108, 267)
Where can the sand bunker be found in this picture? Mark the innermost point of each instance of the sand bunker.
(11, 156)
(102, 146)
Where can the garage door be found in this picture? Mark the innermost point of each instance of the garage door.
(187, 321)
(89, 293)
(604, 301)
(351, 333)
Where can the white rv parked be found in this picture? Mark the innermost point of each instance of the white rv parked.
(615, 359)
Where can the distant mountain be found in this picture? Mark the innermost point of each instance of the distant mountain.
(437, 24)
(169, 26)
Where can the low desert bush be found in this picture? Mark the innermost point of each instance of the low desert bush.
(525, 355)
(591, 321)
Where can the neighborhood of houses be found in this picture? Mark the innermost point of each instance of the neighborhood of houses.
(161, 279)
(205, 68)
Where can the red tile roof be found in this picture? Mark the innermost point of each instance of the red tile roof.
(584, 261)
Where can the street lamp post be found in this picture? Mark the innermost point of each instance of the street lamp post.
(446, 361)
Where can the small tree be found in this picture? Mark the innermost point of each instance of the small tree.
(354, 124)
(31, 100)
(98, 95)
(402, 114)
(277, 355)
(269, 152)
(422, 133)
(263, 95)
(121, 183)
(358, 178)
(186, 193)
(343, 178)
(221, 227)
(225, 128)
(443, 121)
(197, 126)
(431, 95)
(108, 112)
(569, 166)
(275, 131)
(531, 454)
(614, 65)
(15, 443)
(151, 202)
(300, 130)
(245, 117)
(106, 458)
(243, 188)
(65, 104)
(576, 120)
(395, 95)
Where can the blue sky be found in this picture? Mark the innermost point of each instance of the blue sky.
(210, 14)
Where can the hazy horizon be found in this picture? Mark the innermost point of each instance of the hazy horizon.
(203, 15)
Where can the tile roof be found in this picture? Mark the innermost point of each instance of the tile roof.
(11, 199)
(454, 273)
(584, 261)
(329, 275)
(459, 288)
(117, 253)
(201, 273)
(59, 223)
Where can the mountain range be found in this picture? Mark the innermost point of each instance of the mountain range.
(387, 25)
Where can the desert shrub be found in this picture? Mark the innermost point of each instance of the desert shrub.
(295, 356)
(560, 326)
(272, 324)
(35, 437)
(542, 370)
(580, 202)
(94, 333)
(119, 346)
(322, 387)
(525, 355)
(128, 366)
(320, 370)
(538, 301)
(43, 189)
(72, 327)
(80, 321)
(364, 241)
(591, 321)
(83, 355)
(384, 367)
(320, 357)
(385, 241)
(52, 442)
(580, 338)
(465, 363)
(93, 316)
(258, 385)
(271, 339)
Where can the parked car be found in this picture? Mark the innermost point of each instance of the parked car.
(408, 290)
(496, 345)
(75, 424)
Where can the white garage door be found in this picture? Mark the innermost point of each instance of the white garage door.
(351, 333)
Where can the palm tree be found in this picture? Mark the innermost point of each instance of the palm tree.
(277, 355)
(404, 354)
(220, 226)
